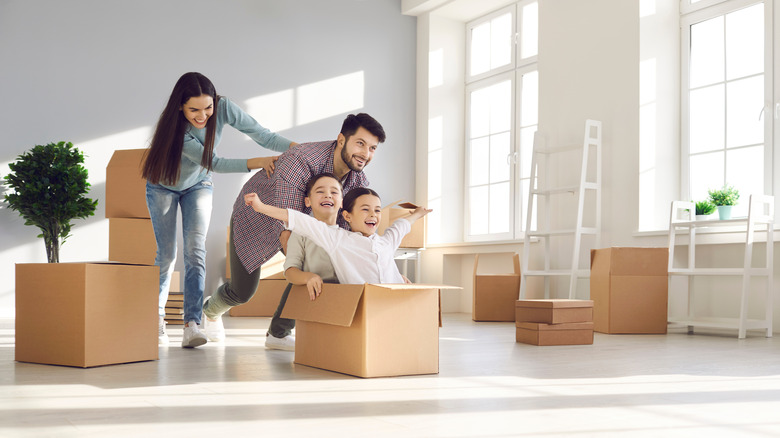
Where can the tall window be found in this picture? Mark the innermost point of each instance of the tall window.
(502, 96)
(726, 122)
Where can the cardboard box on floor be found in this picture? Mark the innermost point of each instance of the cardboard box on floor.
(495, 294)
(79, 314)
(368, 330)
(125, 188)
(397, 210)
(629, 289)
(553, 311)
(131, 241)
(572, 333)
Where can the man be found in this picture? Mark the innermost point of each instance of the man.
(255, 238)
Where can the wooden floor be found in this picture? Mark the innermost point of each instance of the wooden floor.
(674, 385)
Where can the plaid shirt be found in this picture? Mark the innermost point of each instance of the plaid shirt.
(255, 235)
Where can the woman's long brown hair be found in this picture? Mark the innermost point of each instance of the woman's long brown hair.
(163, 158)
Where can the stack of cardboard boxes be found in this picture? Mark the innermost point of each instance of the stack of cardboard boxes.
(554, 322)
(130, 231)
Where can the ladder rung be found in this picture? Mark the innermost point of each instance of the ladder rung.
(569, 232)
(565, 189)
(558, 150)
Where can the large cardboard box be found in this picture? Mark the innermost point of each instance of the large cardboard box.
(629, 289)
(266, 298)
(86, 314)
(369, 330)
(131, 241)
(536, 333)
(125, 188)
(396, 210)
(554, 311)
(495, 294)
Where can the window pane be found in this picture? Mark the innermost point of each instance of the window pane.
(706, 117)
(745, 170)
(707, 52)
(434, 174)
(529, 31)
(706, 173)
(480, 49)
(478, 199)
(499, 208)
(501, 41)
(501, 107)
(480, 113)
(479, 162)
(526, 150)
(499, 153)
(529, 101)
(745, 99)
(745, 42)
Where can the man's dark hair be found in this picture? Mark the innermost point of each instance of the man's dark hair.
(355, 121)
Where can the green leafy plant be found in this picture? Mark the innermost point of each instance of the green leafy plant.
(704, 208)
(728, 195)
(49, 183)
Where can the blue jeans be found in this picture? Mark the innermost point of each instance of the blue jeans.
(195, 205)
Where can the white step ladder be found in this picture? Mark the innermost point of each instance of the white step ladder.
(541, 193)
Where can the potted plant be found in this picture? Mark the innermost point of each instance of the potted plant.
(724, 199)
(49, 183)
(704, 209)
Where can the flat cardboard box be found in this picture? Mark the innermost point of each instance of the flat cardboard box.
(125, 188)
(629, 289)
(371, 330)
(78, 314)
(396, 210)
(272, 267)
(495, 294)
(554, 311)
(131, 241)
(265, 300)
(536, 333)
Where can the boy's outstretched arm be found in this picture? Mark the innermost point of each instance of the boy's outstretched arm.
(252, 200)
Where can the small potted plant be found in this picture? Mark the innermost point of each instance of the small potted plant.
(49, 183)
(724, 199)
(704, 210)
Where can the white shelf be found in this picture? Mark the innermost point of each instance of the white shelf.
(760, 219)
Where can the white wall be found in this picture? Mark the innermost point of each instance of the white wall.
(98, 73)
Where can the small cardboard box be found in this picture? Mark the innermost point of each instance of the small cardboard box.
(266, 298)
(131, 241)
(78, 314)
(125, 188)
(629, 288)
(536, 333)
(555, 311)
(367, 330)
(397, 210)
(495, 294)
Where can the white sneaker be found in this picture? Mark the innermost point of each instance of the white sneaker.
(286, 343)
(192, 336)
(162, 337)
(215, 330)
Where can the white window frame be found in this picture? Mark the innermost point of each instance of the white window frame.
(692, 13)
(512, 72)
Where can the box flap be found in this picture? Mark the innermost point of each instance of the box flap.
(552, 327)
(336, 304)
(277, 276)
(127, 157)
(415, 286)
(634, 260)
(554, 303)
(515, 263)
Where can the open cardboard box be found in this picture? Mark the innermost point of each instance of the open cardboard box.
(397, 210)
(629, 289)
(495, 294)
(79, 314)
(125, 188)
(368, 330)
(266, 298)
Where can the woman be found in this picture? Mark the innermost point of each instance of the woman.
(178, 167)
